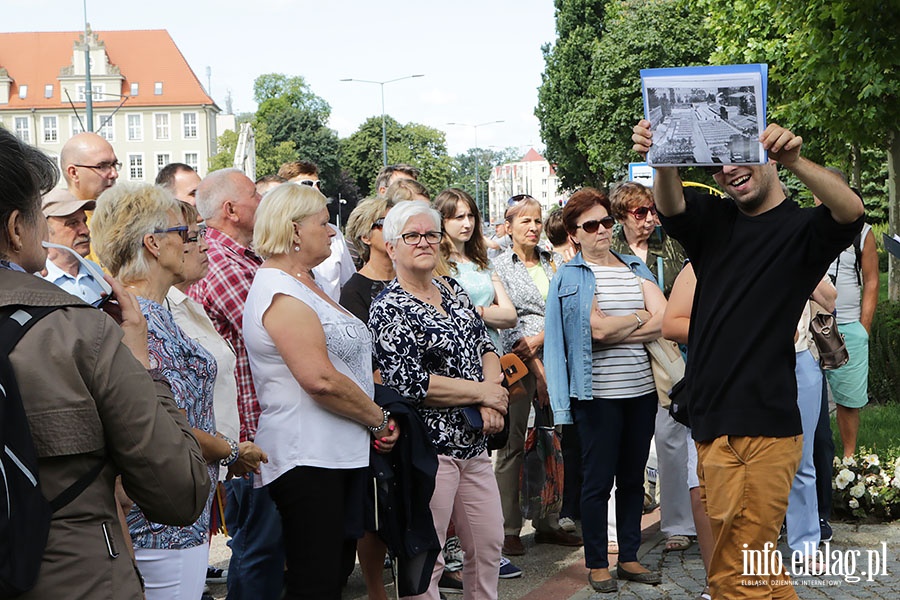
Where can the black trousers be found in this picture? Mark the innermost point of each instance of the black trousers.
(823, 456)
(313, 503)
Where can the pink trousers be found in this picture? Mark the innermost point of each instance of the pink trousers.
(466, 490)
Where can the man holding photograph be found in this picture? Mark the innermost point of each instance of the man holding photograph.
(757, 256)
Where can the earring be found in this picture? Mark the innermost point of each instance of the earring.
(297, 248)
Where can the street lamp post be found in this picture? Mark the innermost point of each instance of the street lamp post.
(475, 128)
(383, 127)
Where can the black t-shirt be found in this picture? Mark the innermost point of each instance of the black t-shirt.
(754, 275)
(357, 295)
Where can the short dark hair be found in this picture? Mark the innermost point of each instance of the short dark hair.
(166, 175)
(25, 174)
(289, 170)
(579, 203)
(384, 175)
(555, 228)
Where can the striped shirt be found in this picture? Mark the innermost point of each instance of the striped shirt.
(621, 370)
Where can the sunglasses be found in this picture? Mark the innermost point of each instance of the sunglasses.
(641, 212)
(593, 225)
(378, 224)
(518, 198)
(181, 230)
(313, 183)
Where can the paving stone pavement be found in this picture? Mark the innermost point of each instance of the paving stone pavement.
(555, 573)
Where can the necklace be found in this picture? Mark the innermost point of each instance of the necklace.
(420, 294)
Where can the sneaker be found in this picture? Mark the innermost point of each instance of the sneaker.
(453, 554)
(825, 532)
(508, 570)
(451, 583)
(567, 525)
(214, 575)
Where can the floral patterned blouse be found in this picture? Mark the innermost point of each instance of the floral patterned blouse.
(413, 340)
(524, 294)
(191, 372)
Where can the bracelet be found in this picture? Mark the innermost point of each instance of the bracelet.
(639, 320)
(233, 455)
(383, 424)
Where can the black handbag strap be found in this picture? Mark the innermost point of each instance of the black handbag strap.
(15, 321)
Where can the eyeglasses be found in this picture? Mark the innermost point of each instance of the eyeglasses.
(104, 167)
(518, 198)
(181, 230)
(313, 183)
(378, 224)
(593, 225)
(641, 212)
(414, 237)
(196, 237)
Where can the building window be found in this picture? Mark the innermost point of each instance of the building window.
(97, 95)
(190, 126)
(544, 181)
(48, 90)
(135, 128)
(157, 88)
(161, 126)
(543, 194)
(136, 167)
(190, 159)
(76, 124)
(162, 159)
(23, 91)
(51, 129)
(105, 127)
(23, 131)
(134, 89)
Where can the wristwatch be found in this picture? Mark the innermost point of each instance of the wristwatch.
(233, 455)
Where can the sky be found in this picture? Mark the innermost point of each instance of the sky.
(481, 60)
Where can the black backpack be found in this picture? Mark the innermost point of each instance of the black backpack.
(24, 512)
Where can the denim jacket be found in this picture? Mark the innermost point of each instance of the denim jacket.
(567, 332)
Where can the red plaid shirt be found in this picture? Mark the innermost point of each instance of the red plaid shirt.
(223, 293)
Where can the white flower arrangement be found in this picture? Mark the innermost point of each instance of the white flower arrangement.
(866, 486)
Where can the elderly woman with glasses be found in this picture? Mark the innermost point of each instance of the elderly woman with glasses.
(601, 309)
(141, 236)
(641, 235)
(312, 369)
(433, 349)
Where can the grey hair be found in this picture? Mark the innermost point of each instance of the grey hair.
(215, 189)
(402, 212)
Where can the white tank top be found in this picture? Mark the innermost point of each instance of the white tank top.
(843, 272)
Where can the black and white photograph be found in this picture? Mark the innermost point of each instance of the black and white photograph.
(705, 116)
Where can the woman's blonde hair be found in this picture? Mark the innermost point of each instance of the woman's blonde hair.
(361, 221)
(124, 214)
(406, 189)
(279, 209)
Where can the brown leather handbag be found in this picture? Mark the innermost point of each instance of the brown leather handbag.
(829, 341)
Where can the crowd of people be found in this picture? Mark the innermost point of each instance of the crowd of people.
(260, 373)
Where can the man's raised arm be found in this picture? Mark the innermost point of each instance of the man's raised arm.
(784, 147)
(667, 190)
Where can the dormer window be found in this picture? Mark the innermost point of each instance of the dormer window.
(48, 90)
(157, 88)
(134, 89)
(23, 91)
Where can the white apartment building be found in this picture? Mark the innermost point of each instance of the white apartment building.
(532, 175)
(147, 101)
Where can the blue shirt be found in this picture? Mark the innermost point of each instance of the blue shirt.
(82, 285)
(567, 332)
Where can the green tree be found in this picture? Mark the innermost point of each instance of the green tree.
(421, 146)
(463, 170)
(269, 155)
(835, 79)
(289, 112)
(591, 93)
